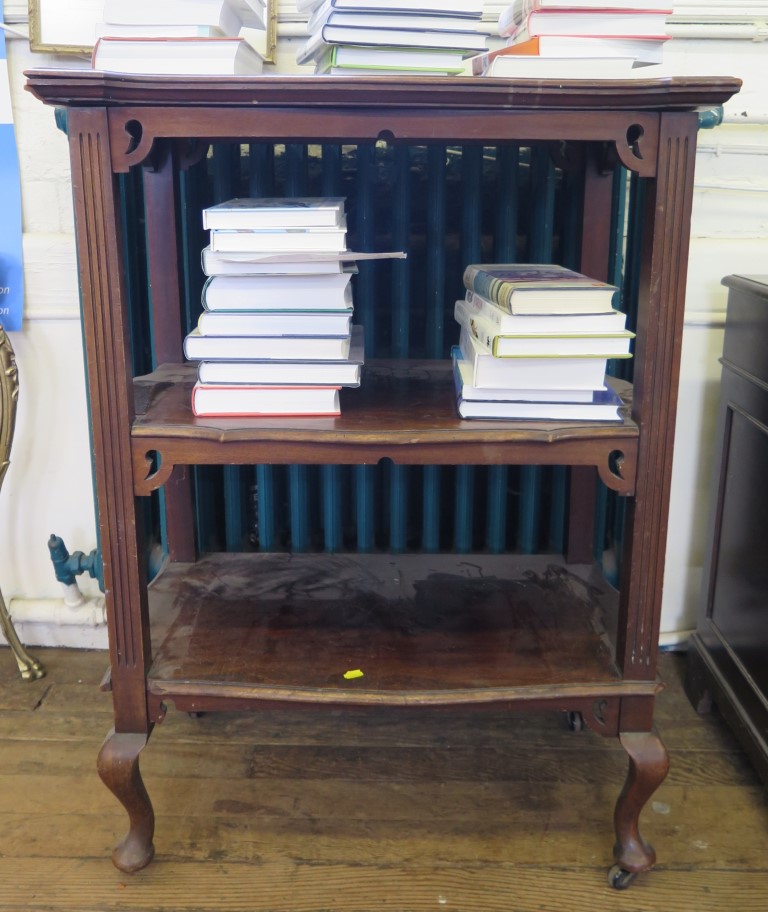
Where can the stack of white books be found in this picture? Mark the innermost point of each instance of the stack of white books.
(275, 336)
(370, 37)
(534, 344)
(585, 39)
(179, 37)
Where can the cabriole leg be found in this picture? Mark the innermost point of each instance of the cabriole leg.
(118, 767)
(648, 767)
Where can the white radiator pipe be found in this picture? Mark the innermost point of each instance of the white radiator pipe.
(61, 612)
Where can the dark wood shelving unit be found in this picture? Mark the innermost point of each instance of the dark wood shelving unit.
(246, 631)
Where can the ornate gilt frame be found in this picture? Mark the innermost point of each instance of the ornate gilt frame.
(37, 17)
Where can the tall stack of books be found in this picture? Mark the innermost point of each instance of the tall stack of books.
(275, 336)
(591, 39)
(534, 344)
(179, 37)
(369, 37)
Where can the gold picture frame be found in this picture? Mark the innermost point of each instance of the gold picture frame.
(56, 27)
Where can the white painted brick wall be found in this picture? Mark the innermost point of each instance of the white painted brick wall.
(48, 487)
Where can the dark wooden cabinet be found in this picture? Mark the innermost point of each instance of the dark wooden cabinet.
(247, 631)
(728, 654)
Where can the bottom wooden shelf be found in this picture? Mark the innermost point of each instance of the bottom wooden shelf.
(422, 629)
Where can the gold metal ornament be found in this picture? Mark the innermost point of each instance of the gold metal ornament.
(29, 667)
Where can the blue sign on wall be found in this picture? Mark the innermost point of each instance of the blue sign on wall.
(11, 270)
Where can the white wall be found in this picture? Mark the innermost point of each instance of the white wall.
(48, 487)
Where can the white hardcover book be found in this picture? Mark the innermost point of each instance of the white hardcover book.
(177, 56)
(259, 262)
(341, 372)
(198, 347)
(317, 44)
(273, 213)
(389, 20)
(278, 292)
(464, 370)
(111, 30)
(531, 373)
(219, 401)
(541, 344)
(295, 240)
(275, 323)
(471, 9)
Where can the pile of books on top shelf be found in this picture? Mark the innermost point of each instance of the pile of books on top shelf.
(534, 344)
(179, 37)
(275, 336)
(405, 37)
(584, 39)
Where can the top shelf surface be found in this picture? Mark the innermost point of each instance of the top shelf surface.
(74, 88)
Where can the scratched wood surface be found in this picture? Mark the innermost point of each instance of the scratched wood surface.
(356, 811)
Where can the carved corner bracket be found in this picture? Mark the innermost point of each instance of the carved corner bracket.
(618, 469)
(151, 470)
(636, 147)
(133, 141)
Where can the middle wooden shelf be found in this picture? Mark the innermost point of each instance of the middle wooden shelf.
(404, 411)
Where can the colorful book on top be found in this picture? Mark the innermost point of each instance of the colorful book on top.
(539, 288)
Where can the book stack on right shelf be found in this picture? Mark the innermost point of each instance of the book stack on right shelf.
(534, 344)
(275, 336)
(588, 39)
(179, 37)
(370, 37)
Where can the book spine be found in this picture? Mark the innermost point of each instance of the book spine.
(484, 308)
(488, 287)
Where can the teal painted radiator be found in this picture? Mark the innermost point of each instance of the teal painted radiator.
(446, 206)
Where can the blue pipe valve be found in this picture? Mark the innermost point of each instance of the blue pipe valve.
(67, 566)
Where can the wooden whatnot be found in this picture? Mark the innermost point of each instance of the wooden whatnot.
(425, 632)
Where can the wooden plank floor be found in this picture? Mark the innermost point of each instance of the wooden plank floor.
(312, 811)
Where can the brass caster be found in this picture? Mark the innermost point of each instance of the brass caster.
(620, 879)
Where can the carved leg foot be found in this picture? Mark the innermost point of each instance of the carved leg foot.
(648, 766)
(29, 667)
(118, 767)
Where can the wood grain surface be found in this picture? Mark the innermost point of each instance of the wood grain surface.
(387, 810)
